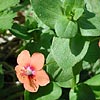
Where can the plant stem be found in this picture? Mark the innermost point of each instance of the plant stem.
(74, 82)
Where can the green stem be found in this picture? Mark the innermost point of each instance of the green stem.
(74, 82)
(7, 72)
(48, 63)
(98, 38)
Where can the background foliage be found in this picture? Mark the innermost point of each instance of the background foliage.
(67, 32)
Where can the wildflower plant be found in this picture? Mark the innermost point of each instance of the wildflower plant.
(29, 71)
(57, 55)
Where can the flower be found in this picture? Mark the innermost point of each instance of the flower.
(99, 43)
(29, 71)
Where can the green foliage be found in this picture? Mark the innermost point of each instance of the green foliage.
(93, 52)
(8, 4)
(94, 83)
(6, 20)
(93, 6)
(20, 31)
(47, 11)
(82, 92)
(64, 64)
(78, 13)
(50, 92)
(6, 14)
(90, 26)
(67, 32)
(65, 27)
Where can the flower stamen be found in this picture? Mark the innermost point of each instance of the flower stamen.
(28, 70)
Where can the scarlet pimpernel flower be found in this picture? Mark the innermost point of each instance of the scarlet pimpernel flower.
(29, 70)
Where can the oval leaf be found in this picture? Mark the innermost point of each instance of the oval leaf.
(50, 92)
(47, 10)
(82, 92)
(65, 28)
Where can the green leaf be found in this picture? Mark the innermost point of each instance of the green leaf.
(20, 31)
(64, 58)
(79, 3)
(42, 44)
(1, 77)
(93, 52)
(65, 28)
(81, 48)
(93, 6)
(67, 5)
(7, 4)
(47, 10)
(72, 95)
(94, 83)
(96, 67)
(82, 92)
(86, 65)
(46, 38)
(62, 55)
(52, 68)
(66, 84)
(69, 83)
(31, 23)
(71, 5)
(6, 20)
(50, 92)
(78, 13)
(89, 24)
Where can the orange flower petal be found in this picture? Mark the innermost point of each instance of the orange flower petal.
(23, 58)
(20, 77)
(31, 85)
(42, 78)
(37, 60)
(99, 43)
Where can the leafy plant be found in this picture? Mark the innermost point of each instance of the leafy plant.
(67, 32)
